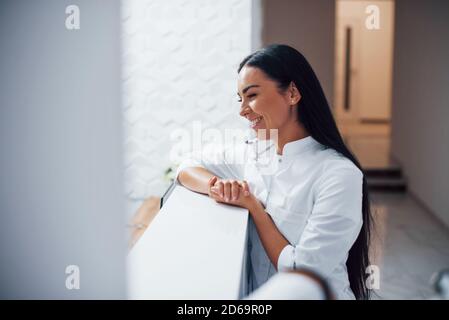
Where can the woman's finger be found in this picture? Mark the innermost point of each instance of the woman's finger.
(215, 190)
(212, 181)
(220, 188)
(227, 191)
(235, 190)
(214, 195)
(245, 188)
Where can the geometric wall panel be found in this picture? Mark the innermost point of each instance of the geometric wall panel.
(180, 61)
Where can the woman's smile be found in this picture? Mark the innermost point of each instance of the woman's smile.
(256, 123)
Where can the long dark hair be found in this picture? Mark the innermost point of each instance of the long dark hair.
(284, 64)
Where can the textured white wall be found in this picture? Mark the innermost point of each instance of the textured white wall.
(180, 66)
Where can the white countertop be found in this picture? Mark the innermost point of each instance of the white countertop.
(195, 248)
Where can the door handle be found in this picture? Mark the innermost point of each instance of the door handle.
(348, 71)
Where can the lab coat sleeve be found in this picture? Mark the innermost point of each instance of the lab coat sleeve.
(333, 225)
(225, 161)
(288, 286)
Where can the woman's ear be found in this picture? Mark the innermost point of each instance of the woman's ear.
(294, 94)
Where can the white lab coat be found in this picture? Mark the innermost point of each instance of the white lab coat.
(289, 286)
(312, 193)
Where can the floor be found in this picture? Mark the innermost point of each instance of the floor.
(410, 246)
(140, 218)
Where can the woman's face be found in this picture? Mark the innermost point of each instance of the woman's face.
(262, 102)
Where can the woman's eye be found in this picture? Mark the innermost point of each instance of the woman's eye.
(250, 96)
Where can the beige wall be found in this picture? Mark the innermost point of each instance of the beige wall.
(420, 134)
(309, 27)
(371, 61)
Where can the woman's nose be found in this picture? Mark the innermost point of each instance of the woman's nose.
(244, 110)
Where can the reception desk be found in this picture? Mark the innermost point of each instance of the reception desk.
(194, 248)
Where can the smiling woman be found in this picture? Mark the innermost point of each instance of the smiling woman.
(312, 211)
(266, 107)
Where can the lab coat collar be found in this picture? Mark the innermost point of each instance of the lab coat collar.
(296, 147)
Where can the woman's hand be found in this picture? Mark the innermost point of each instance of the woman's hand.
(231, 192)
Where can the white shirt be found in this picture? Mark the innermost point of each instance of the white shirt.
(312, 193)
(289, 286)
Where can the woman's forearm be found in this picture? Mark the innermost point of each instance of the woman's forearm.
(195, 179)
(272, 239)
